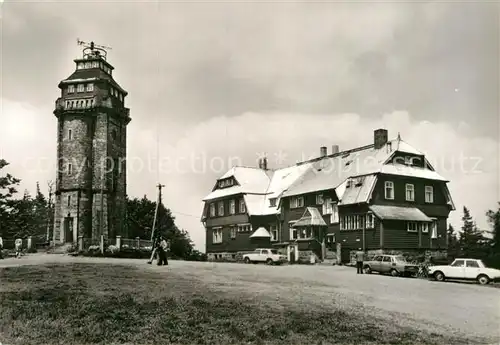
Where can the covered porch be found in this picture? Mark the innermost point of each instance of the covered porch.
(309, 233)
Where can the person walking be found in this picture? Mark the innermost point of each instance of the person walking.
(18, 244)
(1, 248)
(360, 257)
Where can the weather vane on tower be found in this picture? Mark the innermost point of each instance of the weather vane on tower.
(93, 50)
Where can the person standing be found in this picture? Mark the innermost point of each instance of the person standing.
(360, 257)
(162, 252)
(1, 247)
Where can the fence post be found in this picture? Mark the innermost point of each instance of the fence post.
(119, 242)
(80, 243)
(29, 242)
(138, 239)
(102, 244)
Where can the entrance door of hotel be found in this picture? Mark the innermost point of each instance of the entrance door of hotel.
(293, 253)
(68, 230)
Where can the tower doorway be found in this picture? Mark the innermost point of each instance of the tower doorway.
(68, 229)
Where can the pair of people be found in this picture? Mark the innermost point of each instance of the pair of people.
(161, 248)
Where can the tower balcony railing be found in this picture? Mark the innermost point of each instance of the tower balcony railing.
(85, 103)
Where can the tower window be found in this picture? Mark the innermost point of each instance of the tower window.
(88, 65)
(95, 64)
(80, 65)
(121, 97)
(70, 134)
(69, 200)
(71, 88)
(80, 88)
(70, 168)
(90, 87)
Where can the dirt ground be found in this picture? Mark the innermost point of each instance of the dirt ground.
(333, 301)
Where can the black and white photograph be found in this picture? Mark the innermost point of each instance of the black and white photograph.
(225, 172)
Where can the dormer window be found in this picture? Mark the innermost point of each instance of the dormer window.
(88, 65)
(90, 87)
(212, 210)
(80, 65)
(121, 97)
(71, 88)
(319, 199)
(272, 202)
(80, 88)
(95, 64)
(243, 208)
(232, 207)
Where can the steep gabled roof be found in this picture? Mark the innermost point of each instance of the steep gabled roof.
(249, 180)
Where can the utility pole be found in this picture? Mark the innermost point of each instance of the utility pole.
(50, 185)
(159, 186)
(153, 247)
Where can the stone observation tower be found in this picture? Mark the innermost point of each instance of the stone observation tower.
(91, 150)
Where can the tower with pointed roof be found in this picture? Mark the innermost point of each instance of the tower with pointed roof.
(91, 150)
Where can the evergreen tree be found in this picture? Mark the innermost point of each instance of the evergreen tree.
(8, 185)
(470, 236)
(453, 244)
(494, 221)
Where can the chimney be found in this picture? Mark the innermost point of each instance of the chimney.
(379, 138)
(335, 149)
(322, 151)
(264, 163)
(260, 163)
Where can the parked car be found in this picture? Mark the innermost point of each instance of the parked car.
(465, 269)
(269, 256)
(395, 265)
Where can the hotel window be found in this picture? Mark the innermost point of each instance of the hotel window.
(389, 190)
(220, 208)
(212, 210)
(244, 227)
(296, 201)
(71, 88)
(410, 192)
(232, 207)
(412, 227)
(80, 88)
(274, 233)
(70, 168)
(319, 199)
(243, 207)
(334, 218)
(369, 221)
(69, 200)
(293, 231)
(429, 194)
(424, 227)
(327, 206)
(233, 230)
(90, 87)
(434, 229)
(70, 134)
(217, 235)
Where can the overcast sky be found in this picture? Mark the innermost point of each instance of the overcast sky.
(219, 80)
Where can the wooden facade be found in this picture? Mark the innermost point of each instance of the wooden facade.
(370, 230)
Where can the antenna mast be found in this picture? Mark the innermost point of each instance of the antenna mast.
(93, 50)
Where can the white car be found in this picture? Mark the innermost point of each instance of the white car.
(465, 269)
(269, 256)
